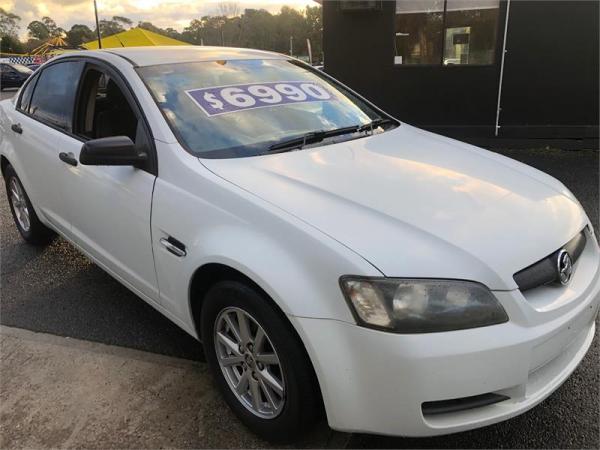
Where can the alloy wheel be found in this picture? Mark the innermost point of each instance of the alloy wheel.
(249, 362)
(19, 203)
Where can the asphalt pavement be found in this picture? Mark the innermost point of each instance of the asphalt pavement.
(58, 291)
(67, 393)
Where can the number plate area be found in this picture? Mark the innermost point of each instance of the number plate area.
(219, 100)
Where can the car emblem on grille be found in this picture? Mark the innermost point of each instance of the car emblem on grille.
(564, 267)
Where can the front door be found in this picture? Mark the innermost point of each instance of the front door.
(110, 205)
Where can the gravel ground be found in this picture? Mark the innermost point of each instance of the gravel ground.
(56, 290)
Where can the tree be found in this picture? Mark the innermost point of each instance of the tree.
(170, 32)
(79, 34)
(110, 27)
(290, 24)
(38, 30)
(53, 29)
(9, 23)
(314, 22)
(124, 21)
(10, 44)
(32, 44)
(150, 27)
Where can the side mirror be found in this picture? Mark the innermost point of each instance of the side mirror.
(111, 151)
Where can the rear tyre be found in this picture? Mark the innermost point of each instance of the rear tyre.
(31, 229)
(259, 363)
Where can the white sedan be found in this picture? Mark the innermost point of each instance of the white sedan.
(328, 257)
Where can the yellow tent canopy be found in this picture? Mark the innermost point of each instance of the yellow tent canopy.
(51, 45)
(135, 37)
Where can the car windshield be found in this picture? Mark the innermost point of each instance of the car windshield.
(237, 108)
(22, 69)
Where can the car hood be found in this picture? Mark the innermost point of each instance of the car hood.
(415, 204)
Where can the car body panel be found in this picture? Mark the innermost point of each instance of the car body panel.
(220, 223)
(383, 389)
(445, 209)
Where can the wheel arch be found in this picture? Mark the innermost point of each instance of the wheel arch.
(204, 278)
(4, 162)
(210, 274)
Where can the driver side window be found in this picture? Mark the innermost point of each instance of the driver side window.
(104, 110)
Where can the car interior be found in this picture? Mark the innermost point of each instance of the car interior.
(105, 111)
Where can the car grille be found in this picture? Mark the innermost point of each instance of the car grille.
(544, 271)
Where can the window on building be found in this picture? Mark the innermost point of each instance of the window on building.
(448, 32)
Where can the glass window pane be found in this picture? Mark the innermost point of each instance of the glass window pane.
(419, 26)
(220, 124)
(471, 27)
(26, 96)
(54, 94)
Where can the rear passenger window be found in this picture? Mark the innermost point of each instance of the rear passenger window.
(54, 95)
(26, 95)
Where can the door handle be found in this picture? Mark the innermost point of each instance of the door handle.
(174, 246)
(69, 158)
(16, 127)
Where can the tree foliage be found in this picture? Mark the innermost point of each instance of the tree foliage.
(253, 28)
(9, 23)
(10, 44)
(53, 29)
(110, 27)
(257, 28)
(38, 30)
(78, 34)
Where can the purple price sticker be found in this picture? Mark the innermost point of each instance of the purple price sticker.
(218, 100)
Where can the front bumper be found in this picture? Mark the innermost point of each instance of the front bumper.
(376, 382)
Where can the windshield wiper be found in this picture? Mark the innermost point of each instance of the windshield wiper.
(313, 137)
(375, 123)
(310, 138)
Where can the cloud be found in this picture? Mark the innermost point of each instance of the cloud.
(163, 13)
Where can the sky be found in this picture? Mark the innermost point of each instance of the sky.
(162, 13)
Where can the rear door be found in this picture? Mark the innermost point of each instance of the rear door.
(110, 205)
(44, 114)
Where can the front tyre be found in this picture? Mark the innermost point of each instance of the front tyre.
(26, 220)
(258, 362)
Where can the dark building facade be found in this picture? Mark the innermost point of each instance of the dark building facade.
(472, 69)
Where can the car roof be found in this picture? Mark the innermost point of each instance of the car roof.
(154, 55)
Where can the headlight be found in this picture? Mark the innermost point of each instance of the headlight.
(421, 306)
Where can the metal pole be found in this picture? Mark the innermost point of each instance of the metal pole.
(308, 46)
(291, 45)
(498, 108)
(97, 26)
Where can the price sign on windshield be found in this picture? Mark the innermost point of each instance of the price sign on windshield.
(219, 100)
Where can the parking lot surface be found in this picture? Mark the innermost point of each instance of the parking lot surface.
(66, 393)
(58, 291)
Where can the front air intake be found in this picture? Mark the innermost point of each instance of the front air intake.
(461, 404)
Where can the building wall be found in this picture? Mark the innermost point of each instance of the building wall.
(550, 86)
